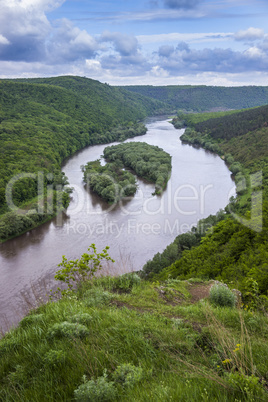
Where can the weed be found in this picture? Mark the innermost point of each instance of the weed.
(55, 358)
(99, 390)
(222, 296)
(96, 297)
(67, 329)
(127, 375)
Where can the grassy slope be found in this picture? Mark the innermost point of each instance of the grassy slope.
(180, 342)
(201, 98)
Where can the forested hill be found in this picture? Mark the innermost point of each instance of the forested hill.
(117, 103)
(43, 121)
(236, 124)
(235, 249)
(201, 98)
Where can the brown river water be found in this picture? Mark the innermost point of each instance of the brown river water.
(135, 230)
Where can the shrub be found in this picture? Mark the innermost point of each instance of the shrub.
(31, 319)
(81, 318)
(83, 269)
(96, 390)
(222, 296)
(67, 329)
(127, 281)
(55, 358)
(127, 375)
(248, 385)
(96, 297)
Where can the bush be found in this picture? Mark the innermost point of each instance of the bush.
(81, 318)
(127, 375)
(83, 269)
(249, 386)
(55, 358)
(31, 320)
(96, 390)
(222, 296)
(67, 329)
(96, 297)
(127, 281)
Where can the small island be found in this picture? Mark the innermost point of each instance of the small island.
(113, 182)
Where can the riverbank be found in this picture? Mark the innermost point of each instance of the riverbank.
(235, 249)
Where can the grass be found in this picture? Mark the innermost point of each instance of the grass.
(179, 350)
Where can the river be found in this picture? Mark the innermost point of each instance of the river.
(135, 230)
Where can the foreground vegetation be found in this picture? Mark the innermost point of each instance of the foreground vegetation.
(123, 338)
(42, 122)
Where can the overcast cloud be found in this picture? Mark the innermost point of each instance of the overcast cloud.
(47, 37)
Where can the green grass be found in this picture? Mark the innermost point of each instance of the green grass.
(175, 348)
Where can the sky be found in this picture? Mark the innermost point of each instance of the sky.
(130, 42)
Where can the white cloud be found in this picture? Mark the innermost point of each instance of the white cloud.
(124, 44)
(254, 52)
(44, 5)
(186, 37)
(158, 71)
(93, 67)
(251, 34)
(3, 40)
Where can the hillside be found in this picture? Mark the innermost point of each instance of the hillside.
(124, 339)
(234, 249)
(119, 104)
(42, 123)
(202, 98)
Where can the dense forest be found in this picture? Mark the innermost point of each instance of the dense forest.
(42, 122)
(234, 248)
(111, 182)
(147, 161)
(204, 98)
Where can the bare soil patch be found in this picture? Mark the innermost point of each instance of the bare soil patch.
(199, 291)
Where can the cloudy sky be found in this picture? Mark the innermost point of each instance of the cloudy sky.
(156, 42)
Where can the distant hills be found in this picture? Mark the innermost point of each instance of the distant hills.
(202, 98)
